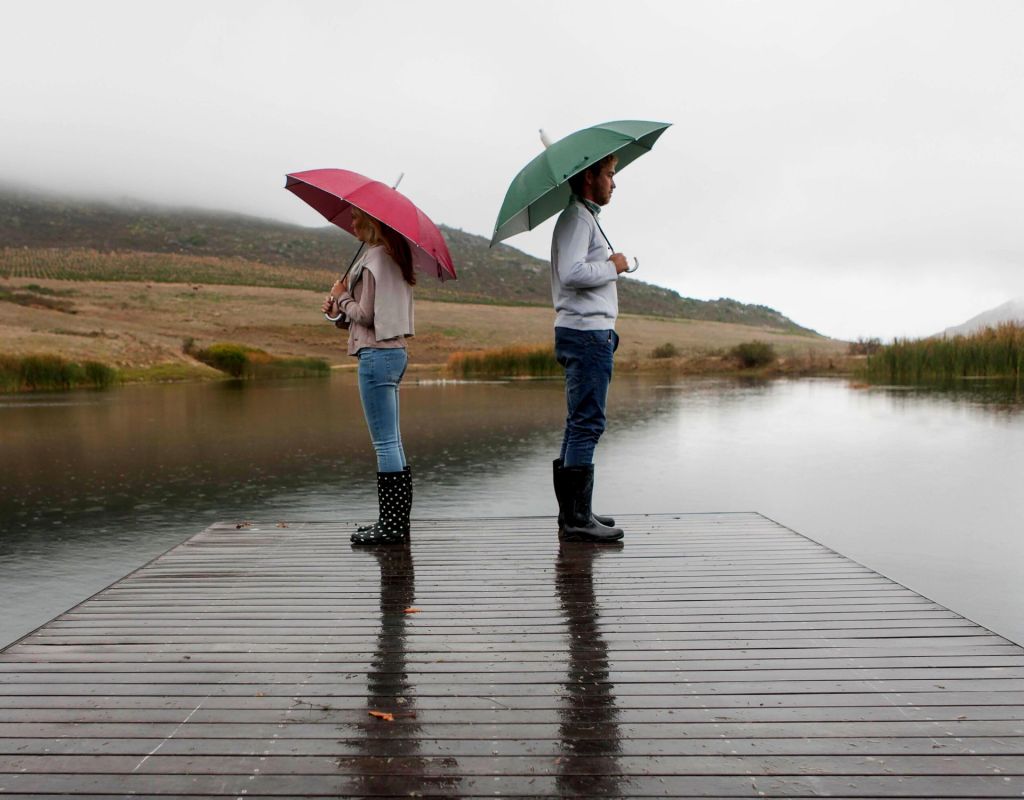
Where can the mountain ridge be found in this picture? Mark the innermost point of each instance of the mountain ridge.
(1010, 311)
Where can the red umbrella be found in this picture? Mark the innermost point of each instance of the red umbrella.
(333, 192)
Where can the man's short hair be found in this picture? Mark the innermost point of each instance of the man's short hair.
(578, 181)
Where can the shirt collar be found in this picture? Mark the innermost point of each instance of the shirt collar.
(594, 208)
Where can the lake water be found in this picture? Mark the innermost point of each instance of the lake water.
(925, 487)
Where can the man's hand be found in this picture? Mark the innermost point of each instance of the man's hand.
(619, 260)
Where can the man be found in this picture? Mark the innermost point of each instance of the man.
(583, 288)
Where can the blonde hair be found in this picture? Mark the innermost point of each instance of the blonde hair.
(369, 229)
(366, 228)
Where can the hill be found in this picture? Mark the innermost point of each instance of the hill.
(1010, 311)
(103, 241)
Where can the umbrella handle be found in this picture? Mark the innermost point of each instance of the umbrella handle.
(341, 314)
(636, 265)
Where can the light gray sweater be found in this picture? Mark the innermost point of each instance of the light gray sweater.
(583, 286)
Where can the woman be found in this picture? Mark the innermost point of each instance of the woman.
(376, 299)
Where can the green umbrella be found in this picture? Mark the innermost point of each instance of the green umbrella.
(541, 189)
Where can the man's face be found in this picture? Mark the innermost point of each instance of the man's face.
(604, 184)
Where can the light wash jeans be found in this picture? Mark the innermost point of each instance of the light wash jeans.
(380, 372)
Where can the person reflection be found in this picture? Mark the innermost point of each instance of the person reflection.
(589, 728)
(390, 761)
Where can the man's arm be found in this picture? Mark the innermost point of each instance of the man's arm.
(572, 242)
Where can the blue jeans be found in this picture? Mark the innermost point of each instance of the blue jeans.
(587, 359)
(380, 372)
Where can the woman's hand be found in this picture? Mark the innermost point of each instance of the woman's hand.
(339, 288)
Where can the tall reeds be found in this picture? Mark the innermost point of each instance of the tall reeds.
(240, 361)
(50, 372)
(535, 361)
(990, 353)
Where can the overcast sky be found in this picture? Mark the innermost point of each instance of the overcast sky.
(856, 165)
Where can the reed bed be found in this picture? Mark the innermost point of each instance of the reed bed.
(240, 361)
(534, 361)
(52, 373)
(991, 353)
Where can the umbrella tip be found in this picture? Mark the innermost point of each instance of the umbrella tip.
(544, 140)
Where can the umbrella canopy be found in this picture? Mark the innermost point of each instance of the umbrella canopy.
(541, 189)
(333, 192)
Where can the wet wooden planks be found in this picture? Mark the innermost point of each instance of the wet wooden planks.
(716, 655)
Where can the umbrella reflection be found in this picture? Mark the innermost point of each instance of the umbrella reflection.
(391, 761)
(589, 728)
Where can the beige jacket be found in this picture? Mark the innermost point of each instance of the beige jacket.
(379, 307)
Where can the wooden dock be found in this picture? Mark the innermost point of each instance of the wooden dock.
(713, 656)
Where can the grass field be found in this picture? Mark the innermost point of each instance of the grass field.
(78, 264)
(143, 325)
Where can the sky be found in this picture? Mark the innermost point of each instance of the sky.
(855, 165)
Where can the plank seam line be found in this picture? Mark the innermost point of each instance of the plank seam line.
(172, 734)
(225, 525)
(277, 546)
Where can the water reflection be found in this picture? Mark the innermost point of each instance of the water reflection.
(91, 489)
(1000, 397)
(589, 729)
(390, 763)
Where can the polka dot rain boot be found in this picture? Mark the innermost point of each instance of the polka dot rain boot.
(373, 525)
(394, 500)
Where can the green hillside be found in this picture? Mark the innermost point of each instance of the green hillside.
(212, 247)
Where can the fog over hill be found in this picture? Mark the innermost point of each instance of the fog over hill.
(501, 275)
(1010, 311)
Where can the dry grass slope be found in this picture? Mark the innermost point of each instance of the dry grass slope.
(47, 237)
(144, 325)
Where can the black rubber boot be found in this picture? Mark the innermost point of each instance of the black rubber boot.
(578, 523)
(394, 500)
(373, 525)
(556, 475)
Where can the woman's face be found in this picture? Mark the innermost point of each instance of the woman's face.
(360, 227)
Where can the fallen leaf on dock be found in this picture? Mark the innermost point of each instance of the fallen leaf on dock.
(241, 525)
(387, 716)
(412, 610)
(282, 524)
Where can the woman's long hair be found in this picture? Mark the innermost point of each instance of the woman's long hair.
(398, 248)
(370, 230)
